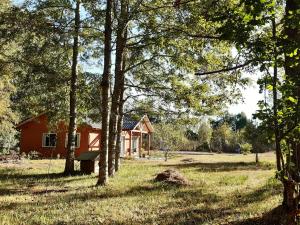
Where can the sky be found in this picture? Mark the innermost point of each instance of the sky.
(251, 97)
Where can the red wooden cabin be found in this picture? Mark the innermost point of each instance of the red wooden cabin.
(36, 136)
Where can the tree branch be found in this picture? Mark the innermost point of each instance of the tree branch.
(225, 69)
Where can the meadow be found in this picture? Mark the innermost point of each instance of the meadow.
(224, 189)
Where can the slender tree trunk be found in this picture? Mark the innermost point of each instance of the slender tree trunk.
(119, 133)
(119, 85)
(275, 107)
(71, 145)
(292, 70)
(103, 169)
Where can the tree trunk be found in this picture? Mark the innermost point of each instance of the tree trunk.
(71, 145)
(119, 85)
(121, 114)
(292, 70)
(119, 133)
(103, 169)
(275, 110)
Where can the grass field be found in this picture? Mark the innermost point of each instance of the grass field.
(225, 189)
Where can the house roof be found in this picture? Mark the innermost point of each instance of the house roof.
(29, 119)
(145, 118)
(128, 122)
(89, 155)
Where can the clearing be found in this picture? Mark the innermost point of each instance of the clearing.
(224, 189)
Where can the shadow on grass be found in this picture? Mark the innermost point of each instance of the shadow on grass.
(261, 194)
(188, 205)
(29, 181)
(9, 174)
(224, 166)
(276, 216)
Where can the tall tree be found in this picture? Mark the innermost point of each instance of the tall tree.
(121, 40)
(292, 93)
(71, 145)
(103, 162)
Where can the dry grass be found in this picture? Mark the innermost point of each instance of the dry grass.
(225, 189)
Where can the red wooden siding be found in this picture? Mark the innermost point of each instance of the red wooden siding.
(32, 131)
(32, 138)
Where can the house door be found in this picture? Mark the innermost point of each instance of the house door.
(123, 152)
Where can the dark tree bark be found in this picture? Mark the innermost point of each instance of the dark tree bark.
(292, 70)
(71, 145)
(275, 107)
(103, 169)
(119, 131)
(118, 86)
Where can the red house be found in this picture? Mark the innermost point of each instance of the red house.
(37, 136)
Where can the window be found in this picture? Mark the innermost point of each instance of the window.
(49, 140)
(77, 140)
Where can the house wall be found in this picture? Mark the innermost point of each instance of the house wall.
(32, 134)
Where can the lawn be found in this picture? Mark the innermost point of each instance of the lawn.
(224, 189)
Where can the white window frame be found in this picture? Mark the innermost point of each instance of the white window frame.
(78, 140)
(44, 140)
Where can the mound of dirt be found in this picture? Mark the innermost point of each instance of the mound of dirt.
(171, 177)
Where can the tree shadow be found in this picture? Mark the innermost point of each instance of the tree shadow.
(261, 194)
(29, 181)
(276, 216)
(223, 166)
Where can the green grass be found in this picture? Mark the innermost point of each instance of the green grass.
(225, 189)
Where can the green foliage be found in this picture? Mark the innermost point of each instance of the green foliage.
(8, 117)
(222, 136)
(170, 136)
(204, 136)
(167, 48)
(246, 148)
(259, 138)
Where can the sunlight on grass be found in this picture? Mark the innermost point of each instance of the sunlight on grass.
(224, 188)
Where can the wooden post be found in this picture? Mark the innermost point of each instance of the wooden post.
(141, 143)
(149, 140)
(130, 142)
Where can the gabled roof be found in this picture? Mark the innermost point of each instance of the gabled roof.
(90, 155)
(145, 118)
(29, 119)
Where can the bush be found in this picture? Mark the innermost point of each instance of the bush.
(34, 155)
(246, 148)
(204, 147)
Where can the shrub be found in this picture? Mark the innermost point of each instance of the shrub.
(203, 147)
(34, 155)
(246, 148)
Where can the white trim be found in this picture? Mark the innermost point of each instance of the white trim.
(145, 118)
(78, 140)
(44, 140)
